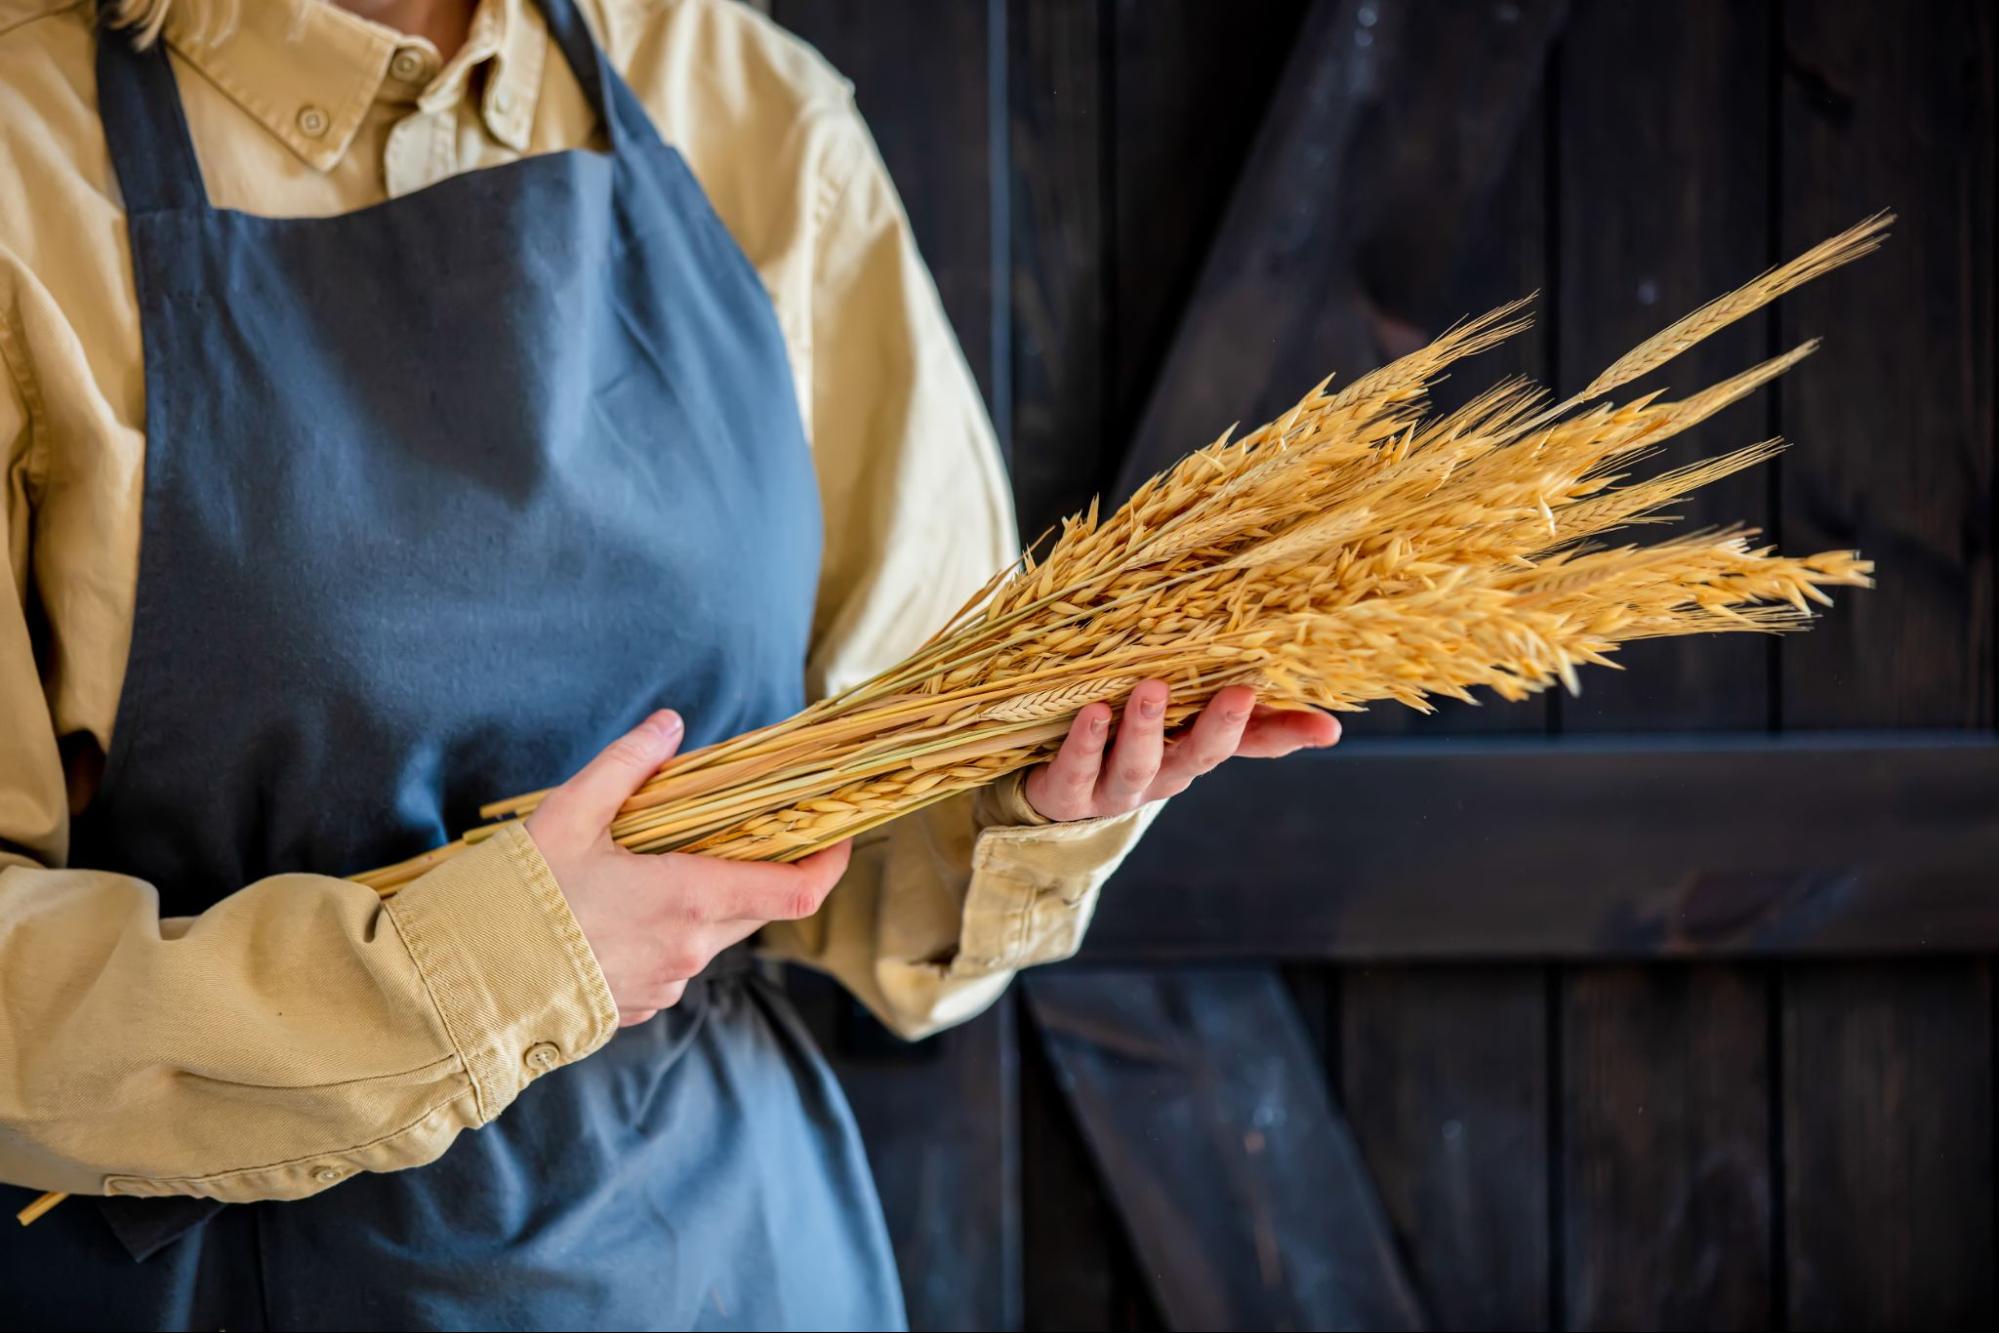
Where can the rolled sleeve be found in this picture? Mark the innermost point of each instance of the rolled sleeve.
(1034, 888)
(937, 912)
(506, 965)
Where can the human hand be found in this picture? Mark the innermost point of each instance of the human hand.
(1082, 782)
(655, 920)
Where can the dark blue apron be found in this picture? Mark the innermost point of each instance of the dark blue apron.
(441, 496)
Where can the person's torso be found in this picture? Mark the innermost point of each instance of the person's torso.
(439, 497)
(733, 94)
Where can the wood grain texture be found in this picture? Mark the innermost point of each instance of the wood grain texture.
(1666, 1175)
(1236, 1177)
(1192, 81)
(1888, 1145)
(1887, 1099)
(1444, 1076)
(1349, 218)
(1894, 418)
(1415, 160)
(1061, 262)
(1665, 162)
(1080, 1272)
(1580, 848)
(1665, 165)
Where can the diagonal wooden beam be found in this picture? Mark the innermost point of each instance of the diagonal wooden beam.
(1233, 1172)
(1390, 126)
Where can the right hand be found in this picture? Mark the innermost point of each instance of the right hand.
(655, 920)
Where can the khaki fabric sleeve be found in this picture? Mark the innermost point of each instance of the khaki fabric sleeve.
(295, 1033)
(940, 908)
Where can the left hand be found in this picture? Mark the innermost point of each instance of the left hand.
(1082, 782)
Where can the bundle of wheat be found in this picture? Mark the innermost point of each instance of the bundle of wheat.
(1357, 548)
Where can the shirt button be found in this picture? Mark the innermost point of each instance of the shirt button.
(327, 1175)
(543, 1056)
(409, 65)
(312, 121)
(503, 102)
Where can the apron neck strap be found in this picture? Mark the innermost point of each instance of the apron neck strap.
(607, 94)
(153, 152)
(144, 125)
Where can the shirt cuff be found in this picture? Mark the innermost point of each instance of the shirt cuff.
(1034, 886)
(513, 979)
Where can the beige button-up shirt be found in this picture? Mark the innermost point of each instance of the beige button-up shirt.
(300, 1030)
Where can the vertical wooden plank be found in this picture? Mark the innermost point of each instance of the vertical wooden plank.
(1315, 991)
(1664, 1164)
(1444, 1077)
(1894, 418)
(1666, 1172)
(1191, 82)
(1888, 1145)
(1058, 63)
(1444, 1071)
(1888, 1106)
(1665, 177)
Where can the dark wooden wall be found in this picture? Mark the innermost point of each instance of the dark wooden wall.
(1522, 1016)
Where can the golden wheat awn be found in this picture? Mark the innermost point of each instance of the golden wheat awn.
(1358, 548)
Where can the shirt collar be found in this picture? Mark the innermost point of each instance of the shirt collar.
(309, 72)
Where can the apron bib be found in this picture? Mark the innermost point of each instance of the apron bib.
(441, 496)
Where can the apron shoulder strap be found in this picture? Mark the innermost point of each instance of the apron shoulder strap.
(144, 125)
(617, 106)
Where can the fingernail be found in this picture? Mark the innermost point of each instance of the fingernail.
(665, 724)
(1100, 724)
(1236, 714)
(1151, 706)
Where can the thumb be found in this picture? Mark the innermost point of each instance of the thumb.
(606, 782)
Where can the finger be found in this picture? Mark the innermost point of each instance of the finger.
(1213, 737)
(1274, 734)
(1064, 787)
(1134, 756)
(759, 891)
(606, 782)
